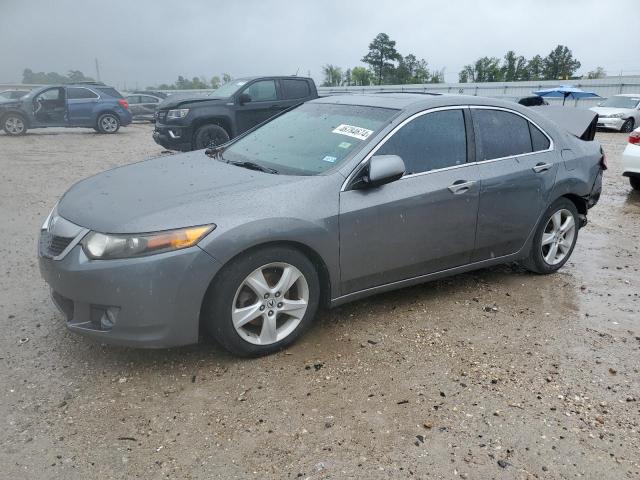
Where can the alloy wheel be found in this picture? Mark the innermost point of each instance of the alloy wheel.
(14, 125)
(558, 237)
(627, 127)
(270, 303)
(109, 124)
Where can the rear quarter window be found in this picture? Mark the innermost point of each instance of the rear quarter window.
(110, 91)
(538, 139)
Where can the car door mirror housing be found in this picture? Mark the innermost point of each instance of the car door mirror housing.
(244, 98)
(382, 169)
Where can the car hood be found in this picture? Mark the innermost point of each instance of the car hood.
(611, 110)
(169, 192)
(179, 101)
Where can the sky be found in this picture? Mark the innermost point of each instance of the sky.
(141, 43)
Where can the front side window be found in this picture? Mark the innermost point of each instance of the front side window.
(52, 94)
(500, 134)
(310, 139)
(262, 91)
(74, 93)
(432, 141)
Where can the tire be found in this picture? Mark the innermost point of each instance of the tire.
(541, 258)
(627, 126)
(209, 135)
(635, 182)
(264, 269)
(108, 123)
(14, 124)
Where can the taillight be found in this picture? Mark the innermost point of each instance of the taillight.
(124, 103)
(634, 138)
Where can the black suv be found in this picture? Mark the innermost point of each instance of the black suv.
(191, 123)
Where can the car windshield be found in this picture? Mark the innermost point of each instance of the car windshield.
(309, 139)
(228, 89)
(621, 102)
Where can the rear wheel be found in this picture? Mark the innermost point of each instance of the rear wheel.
(627, 126)
(635, 182)
(108, 123)
(262, 301)
(209, 136)
(14, 124)
(555, 238)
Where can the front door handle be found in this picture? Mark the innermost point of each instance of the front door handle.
(461, 186)
(542, 167)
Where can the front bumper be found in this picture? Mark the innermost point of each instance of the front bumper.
(612, 123)
(173, 137)
(149, 302)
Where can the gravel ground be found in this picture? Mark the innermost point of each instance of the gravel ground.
(493, 374)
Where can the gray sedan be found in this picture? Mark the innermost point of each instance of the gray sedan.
(337, 199)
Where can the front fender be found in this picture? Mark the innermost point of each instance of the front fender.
(321, 238)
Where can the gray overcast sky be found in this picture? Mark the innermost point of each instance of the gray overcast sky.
(147, 42)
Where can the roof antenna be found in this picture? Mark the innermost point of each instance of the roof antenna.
(296, 74)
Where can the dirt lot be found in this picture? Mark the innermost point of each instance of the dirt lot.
(426, 382)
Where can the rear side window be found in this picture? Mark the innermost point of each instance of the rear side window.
(148, 99)
(432, 141)
(500, 134)
(77, 93)
(295, 89)
(110, 91)
(538, 139)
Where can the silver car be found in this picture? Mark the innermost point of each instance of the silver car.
(337, 199)
(620, 112)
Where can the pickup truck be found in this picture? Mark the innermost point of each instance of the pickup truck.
(192, 123)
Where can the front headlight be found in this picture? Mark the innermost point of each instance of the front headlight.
(100, 246)
(613, 115)
(180, 113)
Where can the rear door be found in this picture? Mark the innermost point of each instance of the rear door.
(423, 223)
(517, 167)
(148, 106)
(80, 104)
(264, 104)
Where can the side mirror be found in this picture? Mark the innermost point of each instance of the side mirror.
(382, 169)
(244, 98)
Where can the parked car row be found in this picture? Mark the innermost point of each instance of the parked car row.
(619, 112)
(631, 159)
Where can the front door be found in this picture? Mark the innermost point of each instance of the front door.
(262, 103)
(423, 223)
(50, 108)
(517, 170)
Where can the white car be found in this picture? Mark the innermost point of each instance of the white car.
(620, 112)
(631, 159)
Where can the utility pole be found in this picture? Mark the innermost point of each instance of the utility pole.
(97, 70)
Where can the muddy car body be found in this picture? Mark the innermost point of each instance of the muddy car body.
(337, 199)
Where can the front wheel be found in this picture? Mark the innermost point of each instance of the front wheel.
(14, 124)
(555, 238)
(635, 182)
(627, 126)
(108, 123)
(262, 301)
(210, 136)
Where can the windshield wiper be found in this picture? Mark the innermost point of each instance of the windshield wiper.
(253, 166)
(215, 151)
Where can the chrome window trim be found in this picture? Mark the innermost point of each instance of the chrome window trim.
(372, 152)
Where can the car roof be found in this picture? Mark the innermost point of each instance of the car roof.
(411, 101)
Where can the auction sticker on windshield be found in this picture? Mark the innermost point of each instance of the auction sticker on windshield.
(351, 131)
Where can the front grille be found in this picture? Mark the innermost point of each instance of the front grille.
(52, 245)
(161, 115)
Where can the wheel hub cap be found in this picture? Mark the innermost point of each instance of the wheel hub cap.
(558, 236)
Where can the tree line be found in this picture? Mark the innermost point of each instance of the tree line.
(559, 64)
(42, 78)
(386, 66)
(195, 83)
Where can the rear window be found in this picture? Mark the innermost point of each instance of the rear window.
(500, 134)
(110, 91)
(295, 88)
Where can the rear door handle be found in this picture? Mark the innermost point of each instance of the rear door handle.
(461, 186)
(542, 167)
